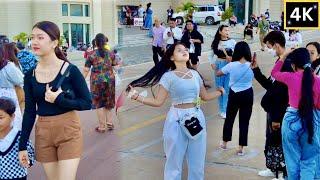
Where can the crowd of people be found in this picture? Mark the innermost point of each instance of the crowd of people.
(46, 87)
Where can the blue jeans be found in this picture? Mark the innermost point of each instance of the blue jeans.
(177, 147)
(222, 81)
(300, 156)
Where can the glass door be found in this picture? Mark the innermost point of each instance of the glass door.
(76, 35)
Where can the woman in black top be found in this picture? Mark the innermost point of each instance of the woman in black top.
(58, 134)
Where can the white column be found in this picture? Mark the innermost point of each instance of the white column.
(97, 17)
(69, 30)
(227, 4)
(246, 14)
(110, 21)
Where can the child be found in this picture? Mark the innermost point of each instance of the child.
(10, 167)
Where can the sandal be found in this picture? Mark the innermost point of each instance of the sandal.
(110, 126)
(223, 147)
(100, 130)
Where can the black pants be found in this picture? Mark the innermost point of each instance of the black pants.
(241, 101)
(168, 18)
(194, 58)
(232, 23)
(156, 51)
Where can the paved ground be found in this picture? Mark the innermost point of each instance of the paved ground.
(134, 151)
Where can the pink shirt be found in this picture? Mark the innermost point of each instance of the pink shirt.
(294, 81)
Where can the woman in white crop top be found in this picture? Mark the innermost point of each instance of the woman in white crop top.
(222, 47)
(185, 87)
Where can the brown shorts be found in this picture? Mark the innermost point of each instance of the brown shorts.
(58, 137)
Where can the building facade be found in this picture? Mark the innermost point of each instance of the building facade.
(80, 20)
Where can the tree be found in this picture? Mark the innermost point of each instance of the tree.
(188, 7)
(227, 14)
(22, 37)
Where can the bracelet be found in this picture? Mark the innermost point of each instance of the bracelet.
(142, 100)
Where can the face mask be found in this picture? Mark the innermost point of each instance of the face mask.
(273, 52)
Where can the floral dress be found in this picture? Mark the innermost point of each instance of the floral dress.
(102, 79)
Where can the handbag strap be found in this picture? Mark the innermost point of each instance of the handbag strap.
(66, 72)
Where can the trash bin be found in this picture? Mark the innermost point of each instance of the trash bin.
(120, 36)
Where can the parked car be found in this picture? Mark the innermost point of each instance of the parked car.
(209, 14)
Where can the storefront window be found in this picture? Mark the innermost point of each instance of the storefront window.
(64, 9)
(76, 10)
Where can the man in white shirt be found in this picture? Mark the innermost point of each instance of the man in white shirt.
(140, 11)
(172, 34)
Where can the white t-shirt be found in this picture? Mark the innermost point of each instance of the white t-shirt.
(177, 34)
(140, 12)
(241, 75)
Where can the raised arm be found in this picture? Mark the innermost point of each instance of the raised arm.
(206, 96)
(154, 102)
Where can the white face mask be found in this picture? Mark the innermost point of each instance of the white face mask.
(273, 52)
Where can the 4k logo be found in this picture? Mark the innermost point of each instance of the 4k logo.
(301, 14)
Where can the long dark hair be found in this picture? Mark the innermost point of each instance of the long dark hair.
(54, 33)
(301, 59)
(217, 37)
(153, 76)
(315, 63)
(10, 51)
(241, 50)
(148, 6)
(3, 61)
(101, 41)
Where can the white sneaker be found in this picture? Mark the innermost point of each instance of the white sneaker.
(280, 178)
(266, 173)
(223, 115)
